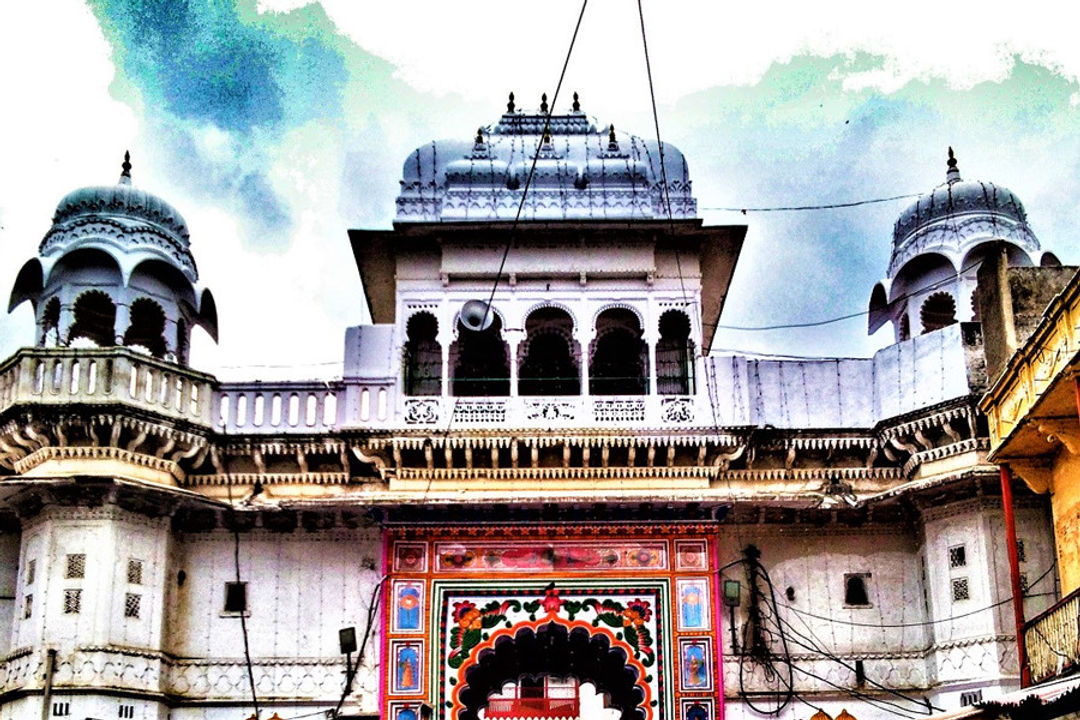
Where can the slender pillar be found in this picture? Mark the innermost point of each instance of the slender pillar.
(513, 341)
(123, 322)
(1014, 573)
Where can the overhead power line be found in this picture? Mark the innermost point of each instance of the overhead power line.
(795, 208)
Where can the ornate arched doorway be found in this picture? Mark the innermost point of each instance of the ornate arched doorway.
(557, 650)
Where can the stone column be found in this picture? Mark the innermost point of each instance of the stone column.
(513, 341)
(584, 339)
(123, 322)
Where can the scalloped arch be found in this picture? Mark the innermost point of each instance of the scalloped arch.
(551, 304)
(619, 306)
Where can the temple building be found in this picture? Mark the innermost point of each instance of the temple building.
(535, 492)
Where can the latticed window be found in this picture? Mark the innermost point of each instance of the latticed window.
(31, 571)
(1024, 587)
(960, 589)
(1021, 554)
(72, 601)
(957, 556)
(76, 566)
(132, 602)
(134, 572)
(28, 605)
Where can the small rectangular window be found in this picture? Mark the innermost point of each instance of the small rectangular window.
(1021, 554)
(134, 572)
(72, 601)
(126, 712)
(132, 601)
(76, 566)
(31, 571)
(856, 592)
(957, 557)
(61, 709)
(960, 589)
(28, 606)
(235, 597)
(1024, 584)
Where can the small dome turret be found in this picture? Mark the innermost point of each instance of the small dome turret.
(116, 268)
(938, 242)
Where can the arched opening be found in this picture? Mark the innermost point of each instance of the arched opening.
(50, 323)
(95, 319)
(549, 355)
(480, 361)
(423, 356)
(938, 311)
(674, 355)
(619, 358)
(529, 657)
(147, 328)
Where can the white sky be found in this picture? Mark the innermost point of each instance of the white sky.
(61, 127)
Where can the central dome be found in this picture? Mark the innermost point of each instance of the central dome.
(580, 173)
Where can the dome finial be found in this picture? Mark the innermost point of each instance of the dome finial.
(577, 105)
(479, 136)
(125, 169)
(543, 103)
(510, 105)
(612, 143)
(953, 174)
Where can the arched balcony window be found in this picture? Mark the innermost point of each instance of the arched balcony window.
(549, 355)
(423, 356)
(147, 329)
(95, 319)
(619, 359)
(481, 362)
(938, 311)
(674, 355)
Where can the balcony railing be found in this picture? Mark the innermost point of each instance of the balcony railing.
(105, 376)
(555, 411)
(1051, 639)
(289, 407)
(542, 707)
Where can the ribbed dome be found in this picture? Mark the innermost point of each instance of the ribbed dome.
(581, 172)
(956, 197)
(122, 199)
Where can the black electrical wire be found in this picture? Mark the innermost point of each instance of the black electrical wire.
(660, 146)
(532, 167)
(924, 623)
(243, 612)
(818, 323)
(832, 206)
(372, 610)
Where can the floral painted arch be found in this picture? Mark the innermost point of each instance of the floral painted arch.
(560, 648)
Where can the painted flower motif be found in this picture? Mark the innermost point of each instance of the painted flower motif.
(644, 557)
(551, 602)
(636, 613)
(409, 601)
(467, 615)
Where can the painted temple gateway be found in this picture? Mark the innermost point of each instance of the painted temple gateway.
(535, 492)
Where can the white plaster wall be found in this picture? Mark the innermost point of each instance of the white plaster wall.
(9, 581)
(302, 588)
(889, 635)
(108, 537)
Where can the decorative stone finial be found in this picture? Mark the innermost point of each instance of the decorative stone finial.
(479, 136)
(510, 105)
(125, 169)
(543, 103)
(577, 105)
(612, 143)
(953, 174)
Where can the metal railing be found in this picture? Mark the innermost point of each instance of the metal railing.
(1051, 639)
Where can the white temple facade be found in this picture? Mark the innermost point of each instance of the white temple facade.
(535, 490)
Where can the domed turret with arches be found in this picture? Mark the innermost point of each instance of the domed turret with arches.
(939, 241)
(116, 268)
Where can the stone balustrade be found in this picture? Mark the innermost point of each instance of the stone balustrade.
(566, 411)
(105, 376)
(1051, 639)
(279, 407)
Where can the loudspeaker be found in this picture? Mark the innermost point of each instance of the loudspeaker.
(477, 315)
